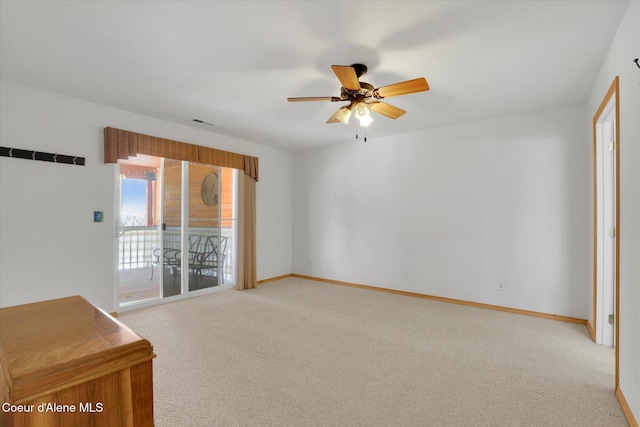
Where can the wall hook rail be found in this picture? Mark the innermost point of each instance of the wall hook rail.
(17, 153)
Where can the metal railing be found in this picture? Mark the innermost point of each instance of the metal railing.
(137, 243)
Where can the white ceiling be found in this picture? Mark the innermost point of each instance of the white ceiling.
(234, 63)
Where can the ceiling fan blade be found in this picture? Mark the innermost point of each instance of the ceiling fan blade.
(386, 109)
(410, 86)
(316, 98)
(347, 76)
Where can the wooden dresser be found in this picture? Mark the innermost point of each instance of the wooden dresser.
(66, 363)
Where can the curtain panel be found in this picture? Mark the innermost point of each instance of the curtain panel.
(246, 261)
(122, 144)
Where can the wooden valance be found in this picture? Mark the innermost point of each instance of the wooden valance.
(122, 144)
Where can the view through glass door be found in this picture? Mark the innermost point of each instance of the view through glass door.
(138, 231)
(208, 242)
(160, 254)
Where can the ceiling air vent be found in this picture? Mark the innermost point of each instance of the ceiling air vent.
(203, 122)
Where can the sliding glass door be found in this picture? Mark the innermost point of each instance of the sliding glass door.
(176, 228)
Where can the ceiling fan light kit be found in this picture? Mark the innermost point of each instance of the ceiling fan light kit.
(363, 97)
(363, 113)
(343, 114)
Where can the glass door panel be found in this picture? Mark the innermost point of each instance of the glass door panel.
(205, 242)
(228, 185)
(171, 206)
(138, 231)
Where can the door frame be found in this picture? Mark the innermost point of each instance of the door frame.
(612, 94)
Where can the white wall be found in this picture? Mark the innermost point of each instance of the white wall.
(49, 245)
(619, 63)
(453, 211)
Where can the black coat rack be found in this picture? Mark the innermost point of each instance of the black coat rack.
(17, 153)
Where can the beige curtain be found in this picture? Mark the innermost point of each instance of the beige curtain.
(246, 277)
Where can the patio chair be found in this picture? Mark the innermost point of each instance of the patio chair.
(172, 258)
(212, 258)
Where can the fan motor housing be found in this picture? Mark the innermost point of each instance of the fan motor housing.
(366, 91)
(361, 69)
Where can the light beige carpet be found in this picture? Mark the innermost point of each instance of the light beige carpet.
(305, 353)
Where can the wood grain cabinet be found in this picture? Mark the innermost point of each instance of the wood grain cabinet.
(66, 363)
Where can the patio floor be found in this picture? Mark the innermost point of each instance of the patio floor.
(136, 284)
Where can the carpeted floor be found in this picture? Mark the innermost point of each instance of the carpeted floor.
(304, 353)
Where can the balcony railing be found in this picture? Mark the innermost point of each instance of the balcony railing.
(136, 245)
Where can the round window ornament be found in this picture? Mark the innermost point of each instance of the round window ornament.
(209, 189)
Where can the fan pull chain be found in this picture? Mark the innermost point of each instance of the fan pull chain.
(365, 136)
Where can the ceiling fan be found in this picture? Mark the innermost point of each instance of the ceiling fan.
(363, 97)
